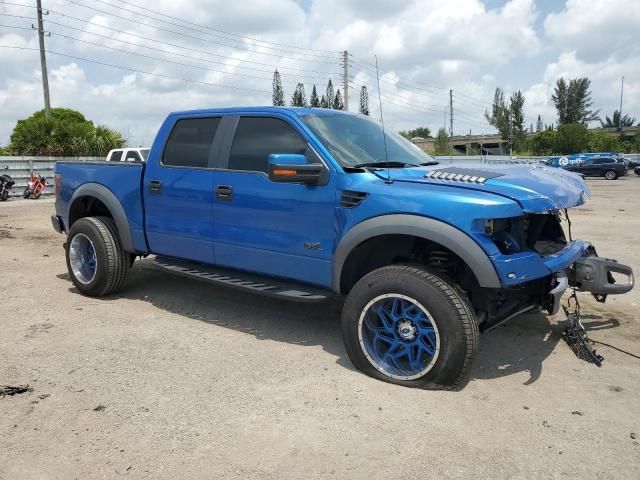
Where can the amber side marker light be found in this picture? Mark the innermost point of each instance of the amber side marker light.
(285, 172)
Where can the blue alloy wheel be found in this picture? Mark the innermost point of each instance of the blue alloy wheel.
(82, 258)
(399, 336)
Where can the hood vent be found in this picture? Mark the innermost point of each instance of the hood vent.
(459, 174)
(351, 199)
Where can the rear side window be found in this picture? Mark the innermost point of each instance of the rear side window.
(116, 156)
(602, 161)
(258, 137)
(190, 141)
(132, 157)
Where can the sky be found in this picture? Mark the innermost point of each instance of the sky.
(127, 63)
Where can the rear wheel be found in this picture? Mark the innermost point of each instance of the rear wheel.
(26, 193)
(404, 325)
(96, 261)
(36, 194)
(4, 195)
(610, 175)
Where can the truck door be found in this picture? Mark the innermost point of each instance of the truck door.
(279, 229)
(178, 189)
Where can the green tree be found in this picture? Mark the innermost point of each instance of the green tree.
(338, 104)
(617, 122)
(330, 94)
(441, 145)
(573, 101)
(572, 138)
(516, 120)
(500, 116)
(422, 132)
(323, 102)
(66, 133)
(603, 142)
(539, 126)
(364, 101)
(544, 142)
(314, 101)
(278, 92)
(299, 97)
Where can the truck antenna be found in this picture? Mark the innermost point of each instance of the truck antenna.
(384, 134)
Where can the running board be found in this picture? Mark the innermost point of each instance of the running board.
(243, 281)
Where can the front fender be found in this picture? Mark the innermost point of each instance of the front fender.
(436, 231)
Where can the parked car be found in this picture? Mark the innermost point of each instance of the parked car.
(637, 170)
(304, 204)
(596, 165)
(136, 155)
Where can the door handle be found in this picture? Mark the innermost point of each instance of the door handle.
(155, 186)
(224, 192)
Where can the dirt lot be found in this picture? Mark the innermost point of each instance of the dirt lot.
(178, 379)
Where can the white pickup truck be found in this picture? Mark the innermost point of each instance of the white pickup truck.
(137, 155)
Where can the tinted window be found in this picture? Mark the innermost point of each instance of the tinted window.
(190, 142)
(116, 156)
(602, 161)
(132, 157)
(257, 138)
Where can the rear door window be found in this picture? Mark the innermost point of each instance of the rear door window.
(258, 137)
(116, 156)
(190, 142)
(132, 157)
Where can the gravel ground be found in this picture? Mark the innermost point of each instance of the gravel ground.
(178, 379)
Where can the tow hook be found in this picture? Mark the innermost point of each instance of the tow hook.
(595, 274)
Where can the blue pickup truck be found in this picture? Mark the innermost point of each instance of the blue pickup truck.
(304, 204)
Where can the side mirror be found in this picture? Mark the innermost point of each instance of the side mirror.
(293, 168)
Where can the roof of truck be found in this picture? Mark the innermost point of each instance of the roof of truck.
(265, 109)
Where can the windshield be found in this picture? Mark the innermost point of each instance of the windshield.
(145, 153)
(353, 140)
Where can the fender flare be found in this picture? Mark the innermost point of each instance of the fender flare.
(436, 231)
(112, 203)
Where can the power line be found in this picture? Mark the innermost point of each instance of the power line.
(222, 31)
(195, 50)
(143, 72)
(182, 34)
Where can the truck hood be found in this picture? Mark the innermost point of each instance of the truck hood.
(536, 188)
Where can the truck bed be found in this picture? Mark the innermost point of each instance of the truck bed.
(122, 179)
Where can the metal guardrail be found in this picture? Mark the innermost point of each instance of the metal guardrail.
(20, 168)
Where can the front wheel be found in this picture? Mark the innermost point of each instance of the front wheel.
(36, 194)
(610, 175)
(26, 193)
(404, 325)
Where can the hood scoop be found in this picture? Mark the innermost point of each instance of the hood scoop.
(461, 174)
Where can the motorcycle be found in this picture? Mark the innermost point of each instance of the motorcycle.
(35, 187)
(6, 184)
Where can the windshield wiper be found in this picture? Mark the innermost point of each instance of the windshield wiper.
(384, 165)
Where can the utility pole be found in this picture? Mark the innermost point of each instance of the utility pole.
(451, 117)
(43, 62)
(621, 90)
(345, 61)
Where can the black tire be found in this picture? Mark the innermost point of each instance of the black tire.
(26, 193)
(455, 321)
(112, 262)
(610, 175)
(4, 195)
(36, 195)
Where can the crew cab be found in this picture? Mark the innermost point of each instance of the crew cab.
(305, 204)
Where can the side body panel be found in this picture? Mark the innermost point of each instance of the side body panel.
(118, 183)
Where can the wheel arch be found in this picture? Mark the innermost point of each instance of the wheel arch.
(91, 192)
(415, 226)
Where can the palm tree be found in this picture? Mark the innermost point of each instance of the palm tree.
(616, 122)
